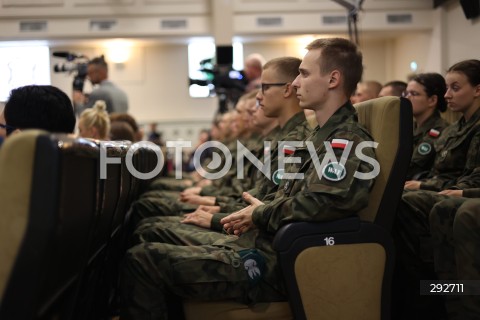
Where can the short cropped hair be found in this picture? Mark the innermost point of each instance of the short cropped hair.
(99, 61)
(398, 87)
(39, 107)
(286, 67)
(343, 55)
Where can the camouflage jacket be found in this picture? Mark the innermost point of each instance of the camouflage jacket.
(424, 138)
(333, 192)
(457, 154)
(296, 129)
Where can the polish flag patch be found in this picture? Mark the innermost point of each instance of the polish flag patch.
(288, 150)
(433, 133)
(339, 143)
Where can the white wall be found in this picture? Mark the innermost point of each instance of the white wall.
(463, 36)
(156, 81)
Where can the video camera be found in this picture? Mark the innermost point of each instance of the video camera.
(220, 76)
(224, 82)
(76, 64)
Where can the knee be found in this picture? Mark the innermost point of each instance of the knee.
(467, 219)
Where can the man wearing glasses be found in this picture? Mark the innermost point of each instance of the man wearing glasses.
(243, 265)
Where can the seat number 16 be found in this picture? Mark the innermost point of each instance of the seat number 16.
(329, 241)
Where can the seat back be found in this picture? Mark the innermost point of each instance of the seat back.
(109, 197)
(58, 209)
(389, 121)
(343, 269)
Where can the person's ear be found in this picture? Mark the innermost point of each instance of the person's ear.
(289, 90)
(334, 79)
(432, 101)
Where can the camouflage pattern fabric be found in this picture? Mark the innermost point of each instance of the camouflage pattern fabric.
(457, 154)
(296, 129)
(154, 272)
(455, 228)
(424, 138)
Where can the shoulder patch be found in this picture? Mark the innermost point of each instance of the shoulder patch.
(424, 148)
(288, 150)
(277, 176)
(339, 143)
(434, 133)
(334, 171)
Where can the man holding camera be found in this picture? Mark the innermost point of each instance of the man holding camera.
(115, 98)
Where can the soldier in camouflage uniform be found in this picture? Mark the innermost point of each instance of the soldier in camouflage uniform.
(275, 103)
(245, 267)
(157, 228)
(458, 154)
(455, 228)
(426, 93)
(158, 202)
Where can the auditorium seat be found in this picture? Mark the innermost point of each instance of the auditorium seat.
(340, 269)
(62, 225)
(48, 192)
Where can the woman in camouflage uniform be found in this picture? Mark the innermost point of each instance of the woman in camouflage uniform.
(458, 155)
(426, 93)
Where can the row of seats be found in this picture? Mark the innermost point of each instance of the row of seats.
(62, 226)
(62, 232)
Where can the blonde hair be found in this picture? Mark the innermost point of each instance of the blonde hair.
(98, 118)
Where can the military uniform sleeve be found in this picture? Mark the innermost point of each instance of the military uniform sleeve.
(320, 197)
(215, 224)
(471, 193)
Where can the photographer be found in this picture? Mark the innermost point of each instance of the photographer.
(115, 98)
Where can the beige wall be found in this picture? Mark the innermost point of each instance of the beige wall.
(156, 82)
(463, 36)
(155, 78)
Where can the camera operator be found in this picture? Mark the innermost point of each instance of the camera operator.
(115, 98)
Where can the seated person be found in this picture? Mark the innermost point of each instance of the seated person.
(393, 88)
(455, 168)
(455, 228)
(94, 122)
(38, 107)
(426, 93)
(366, 90)
(118, 116)
(121, 130)
(153, 273)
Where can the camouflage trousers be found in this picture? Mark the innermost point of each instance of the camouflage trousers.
(171, 230)
(414, 257)
(156, 203)
(152, 273)
(455, 228)
(412, 229)
(189, 262)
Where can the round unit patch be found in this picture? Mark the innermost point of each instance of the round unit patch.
(334, 171)
(277, 176)
(424, 148)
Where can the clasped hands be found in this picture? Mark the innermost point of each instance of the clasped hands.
(241, 221)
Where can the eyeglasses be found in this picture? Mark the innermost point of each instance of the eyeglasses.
(405, 94)
(266, 86)
(8, 128)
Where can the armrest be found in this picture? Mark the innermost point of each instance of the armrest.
(292, 231)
